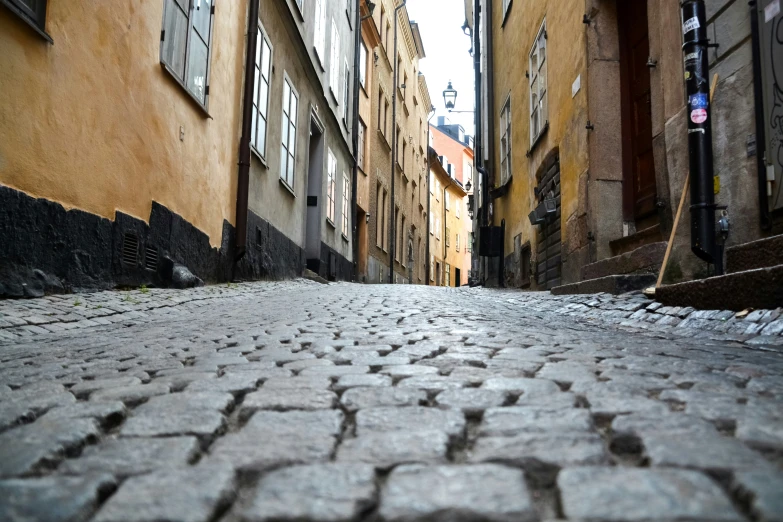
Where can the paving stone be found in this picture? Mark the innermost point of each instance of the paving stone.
(433, 383)
(20, 407)
(541, 455)
(375, 396)
(761, 490)
(761, 432)
(178, 381)
(485, 492)
(324, 492)
(85, 388)
(638, 424)
(282, 399)
(193, 494)
(627, 494)
(235, 384)
(516, 420)
(218, 401)
(164, 420)
(53, 499)
(385, 450)
(352, 381)
(706, 452)
(471, 401)
(320, 382)
(107, 414)
(130, 395)
(408, 370)
(412, 418)
(521, 385)
(129, 456)
(40, 445)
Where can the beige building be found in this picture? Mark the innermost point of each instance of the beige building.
(408, 209)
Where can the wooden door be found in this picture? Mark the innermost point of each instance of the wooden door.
(639, 190)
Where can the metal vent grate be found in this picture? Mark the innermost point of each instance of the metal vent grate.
(130, 249)
(151, 258)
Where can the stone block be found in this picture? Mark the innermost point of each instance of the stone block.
(53, 499)
(761, 489)
(471, 401)
(516, 420)
(130, 395)
(386, 450)
(376, 396)
(416, 418)
(287, 399)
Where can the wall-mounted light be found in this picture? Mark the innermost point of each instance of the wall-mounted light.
(450, 97)
(367, 218)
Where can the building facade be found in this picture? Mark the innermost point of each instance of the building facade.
(120, 129)
(450, 224)
(585, 145)
(396, 226)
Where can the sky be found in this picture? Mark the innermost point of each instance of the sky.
(446, 46)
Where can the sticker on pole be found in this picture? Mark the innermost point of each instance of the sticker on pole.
(690, 25)
(699, 101)
(698, 116)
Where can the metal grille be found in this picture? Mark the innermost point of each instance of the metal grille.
(548, 269)
(151, 258)
(130, 249)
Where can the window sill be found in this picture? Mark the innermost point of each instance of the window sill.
(259, 157)
(364, 89)
(361, 169)
(505, 15)
(350, 20)
(538, 139)
(330, 223)
(384, 140)
(203, 107)
(345, 124)
(345, 238)
(298, 10)
(288, 187)
(35, 27)
(318, 59)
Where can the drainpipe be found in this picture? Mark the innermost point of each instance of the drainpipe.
(758, 99)
(429, 198)
(392, 216)
(355, 138)
(243, 181)
(697, 74)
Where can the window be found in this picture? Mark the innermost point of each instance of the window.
(437, 229)
(346, 91)
(469, 246)
(360, 151)
(432, 268)
(379, 203)
(448, 237)
(31, 11)
(388, 33)
(363, 65)
(457, 206)
(538, 87)
(404, 151)
(447, 275)
(505, 142)
(403, 243)
(457, 243)
(396, 222)
(334, 64)
(432, 183)
(288, 148)
(346, 204)
(261, 93)
(320, 30)
(447, 201)
(437, 190)
(185, 43)
(432, 224)
(506, 7)
(330, 186)
(382, 25)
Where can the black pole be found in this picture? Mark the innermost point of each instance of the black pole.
(758, 99)
(427, 274)
(478, 154)
(697, 81)
(392, 206)
(355, 139)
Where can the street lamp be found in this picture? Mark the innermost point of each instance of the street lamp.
(450, 97)
(468, 186)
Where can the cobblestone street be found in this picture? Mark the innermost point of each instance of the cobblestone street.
(300, 401)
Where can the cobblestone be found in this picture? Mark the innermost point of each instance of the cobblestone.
(299, 401)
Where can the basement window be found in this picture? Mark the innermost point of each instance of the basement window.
(186, 45)
(32, 12)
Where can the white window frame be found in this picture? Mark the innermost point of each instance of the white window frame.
(331, 172)
(505, 141)
(287, 148)
(448, 201)
(261, 107)
(362, 132)
(334, 64)
(346, 204)
(346, 86)
(319, 40)
(537, 67)
(457, 244)
(363, 57)
(432, 268)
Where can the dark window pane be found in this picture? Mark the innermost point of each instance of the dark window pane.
(201, 16)
(197, 68)
(173, 46)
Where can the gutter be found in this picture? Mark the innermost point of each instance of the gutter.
(243, 180)
(393, 206)
(355, 140)
(429, 200)
(758, 102)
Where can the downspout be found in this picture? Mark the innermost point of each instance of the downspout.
(758, 99)
(243, 180)
(392, 207)
(355, 139)
(445, 228)
(429, 198)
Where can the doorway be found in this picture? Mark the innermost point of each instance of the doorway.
(315, 174)
(457, 277)
(639, 186)
(438, 280)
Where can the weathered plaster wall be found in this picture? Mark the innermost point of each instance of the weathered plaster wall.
(566, 59)
(93, 121)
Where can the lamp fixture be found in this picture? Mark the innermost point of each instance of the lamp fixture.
(468, 186)
(450, 97)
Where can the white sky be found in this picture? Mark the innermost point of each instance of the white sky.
(440, 23)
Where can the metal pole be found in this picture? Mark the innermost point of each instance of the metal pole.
(427, 246)
(697, 74)
(355, 140)
(392, 212)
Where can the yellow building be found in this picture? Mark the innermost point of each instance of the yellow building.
(408, 210)
(450, 225)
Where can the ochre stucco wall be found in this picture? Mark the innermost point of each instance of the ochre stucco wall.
(566, 58)
(93, 121)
